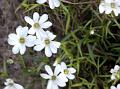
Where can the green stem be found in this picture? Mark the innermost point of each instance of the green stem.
(22, 61)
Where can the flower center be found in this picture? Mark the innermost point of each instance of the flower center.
(66, 71)
(47, 41)
(22, 40)
(53, 77)
(11, 84)
(117, 75)
(113, 5)
(36, 25)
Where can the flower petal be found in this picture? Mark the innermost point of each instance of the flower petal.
(50, 35)
(7, 87)
(56, 3)
(49, 70)
(45, 76)
(63, 77)
(108, 1)
(31, 31)
(43, 18)
(116, 68)
(54, 86)
(116, 12)
(41, 1)
(48, 52)
(63, 65)
(36, 16)
(40, 33)
(15, 49)
(101, 8)
(12, 40)
(118, 86)
(70, 76)
(29, 20)
(108, 10)
(51, 4)
(57, 69)
(72, 70)
(12, 36)
(53, 48)
(22, 31)
(49, 85)
(22, 49)
(113, 77)
(18, 30)
(38, 41)
(112, 71)
(39, 47)
(60, 82)
(46, 24)
(30, 40)
(113, 87)
(18, 86)
(55, 44)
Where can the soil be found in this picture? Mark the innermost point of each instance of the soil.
(9, 20)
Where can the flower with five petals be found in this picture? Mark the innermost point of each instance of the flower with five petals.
(67, 73)
(47, 43)
(38, 23)
(21, 40)
(54, 78)
(115, 72)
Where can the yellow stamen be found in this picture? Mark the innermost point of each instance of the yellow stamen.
(22, 40)
(36, 25)
(66, 71)
(53, 77)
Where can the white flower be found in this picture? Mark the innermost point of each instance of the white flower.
(108, 6)
(92, 32)
(113, 87)
(38, 23)
(67, 73)
(11, 85)
(10, 61)
(54, 78)
(47, 43)
(115, 72)
(21, 40)
(52, 3)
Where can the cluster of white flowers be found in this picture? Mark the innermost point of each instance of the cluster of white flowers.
(42, 39)
(59, 77)
(109, 6)
(113, 87)
(115, 72)
(115, 76)
(52, 3)
(11, 85)
(39, 39)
